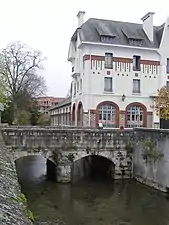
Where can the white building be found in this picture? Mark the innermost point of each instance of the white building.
(117, 68)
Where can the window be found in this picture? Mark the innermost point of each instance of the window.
(71, 89)
(136, 86)
(109, 60)
(108, 39)
(78, 86)
(135, 42)
(135, 116)
(167, 83)
(107, 115)
(167, 69)
(136, 63)
(74, 89)
(108, 84)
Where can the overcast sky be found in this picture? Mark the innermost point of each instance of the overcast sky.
(47, 25)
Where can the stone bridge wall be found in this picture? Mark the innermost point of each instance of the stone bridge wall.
(12, 210)
(112, 144)
(70, 145)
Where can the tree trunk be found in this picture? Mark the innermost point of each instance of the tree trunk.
(15, 108)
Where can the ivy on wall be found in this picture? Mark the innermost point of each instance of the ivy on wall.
(22, 198)
(150, 152)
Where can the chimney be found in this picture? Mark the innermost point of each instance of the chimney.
(80, 17)
(148, 25)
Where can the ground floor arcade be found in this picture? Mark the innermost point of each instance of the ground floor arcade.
(107, 113)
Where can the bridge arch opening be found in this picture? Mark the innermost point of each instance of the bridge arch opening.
(92, 167)
(50, 170)
(34, 169)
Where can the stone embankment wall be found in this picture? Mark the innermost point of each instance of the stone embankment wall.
(151, 157)
(12, 211)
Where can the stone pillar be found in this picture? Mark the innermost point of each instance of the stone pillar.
(117, 173)
(92, 118)
(85, 119)
(64, 173)
(150, 123)
(156, 120)
(122, 119)
(63, 163)
(89, 118)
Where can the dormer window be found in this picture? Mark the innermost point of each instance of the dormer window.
(108, 39)
(133, 37)
(135, 42)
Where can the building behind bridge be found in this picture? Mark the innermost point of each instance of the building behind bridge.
(117, 68)
(47, 102)
(61, 113)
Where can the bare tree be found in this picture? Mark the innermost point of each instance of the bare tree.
(19, 67)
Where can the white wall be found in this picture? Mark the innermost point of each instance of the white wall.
(164, 54)
(93, 79)
(92, 92)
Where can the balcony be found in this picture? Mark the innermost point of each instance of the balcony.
(75, 72)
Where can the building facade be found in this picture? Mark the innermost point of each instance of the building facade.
(61, 113)
(47, 102)
(117, 68)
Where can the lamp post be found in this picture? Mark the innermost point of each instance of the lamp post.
(123, 97)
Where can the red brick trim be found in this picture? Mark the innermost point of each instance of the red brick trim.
(144, 112)
(86, 57)
(150, 62)
(120, 59)
(106, 103)
(122, 111)
(149, 113)
(123, 60)
(97, 57)
(93, 111)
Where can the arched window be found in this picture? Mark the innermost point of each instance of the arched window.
(135, 115)
(108, 114)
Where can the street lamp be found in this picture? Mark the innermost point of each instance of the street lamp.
(123, 97)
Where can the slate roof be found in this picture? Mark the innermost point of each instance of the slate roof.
(66, 101)
(92, 30)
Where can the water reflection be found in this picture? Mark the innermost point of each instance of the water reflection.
(31, 169)
(90, 202)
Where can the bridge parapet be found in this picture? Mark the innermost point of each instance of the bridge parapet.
(66, 139)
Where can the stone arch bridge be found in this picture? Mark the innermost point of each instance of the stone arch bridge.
(66, 146)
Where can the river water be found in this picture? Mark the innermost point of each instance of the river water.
(89, 202)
